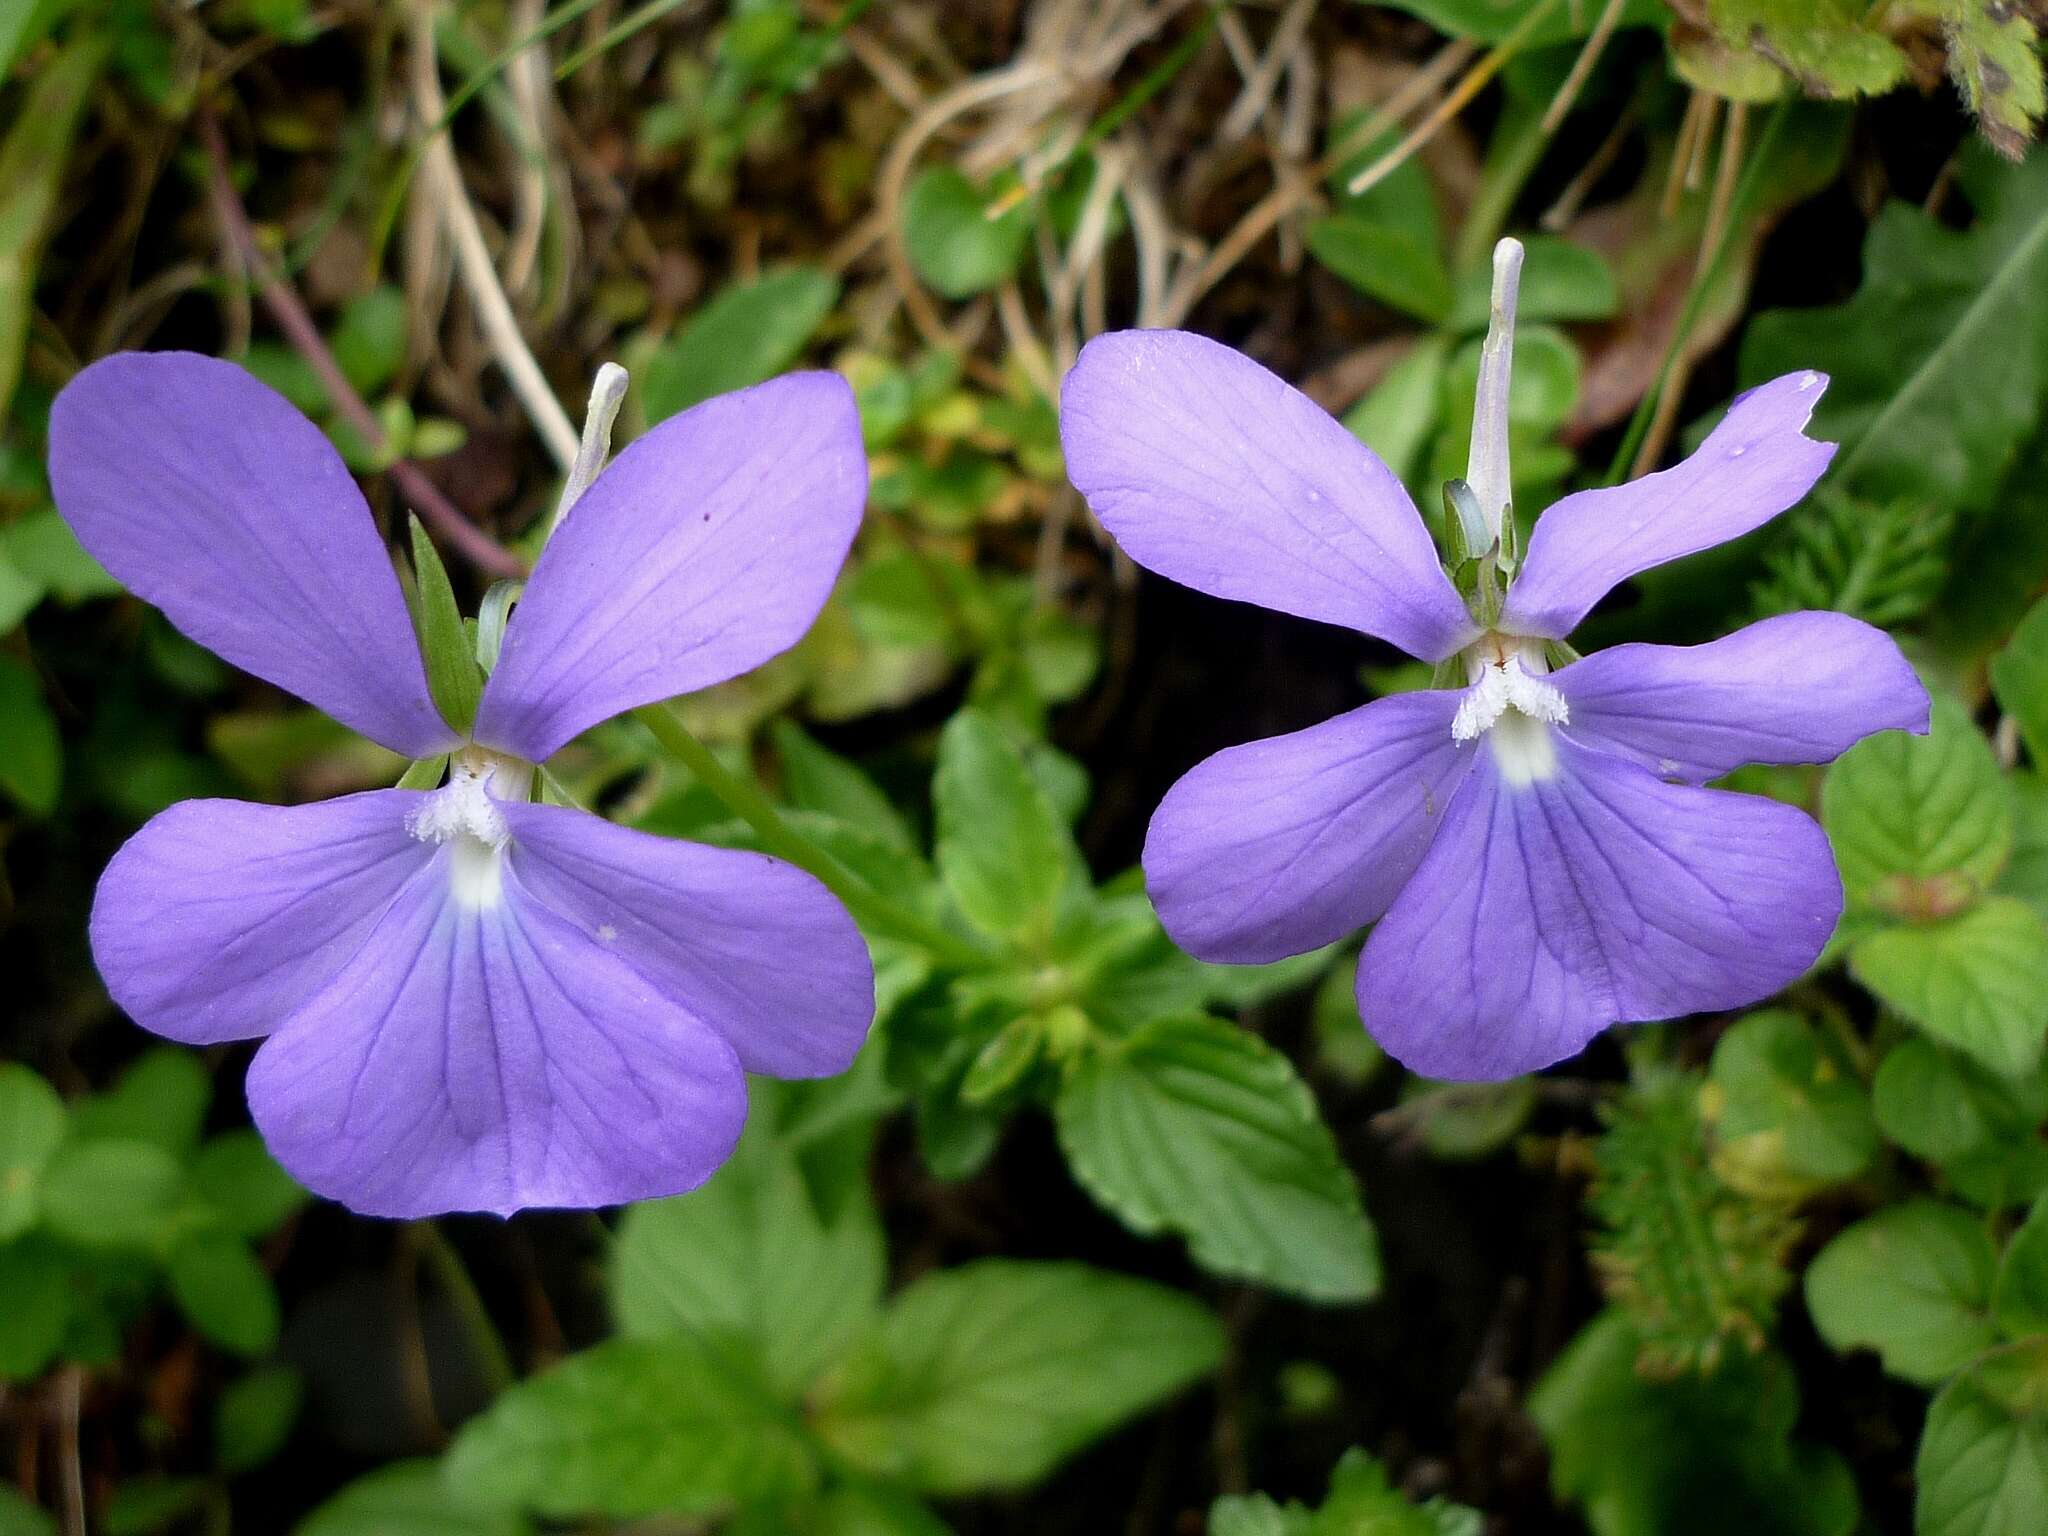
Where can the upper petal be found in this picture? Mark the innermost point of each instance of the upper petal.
(1280, 846)
(1210, 470)
(491, 1058)
(1752, 466)
(751, 946)
(1547, 910)
(708, 547)
(220, 919)
(1799, 688)
(207, 493)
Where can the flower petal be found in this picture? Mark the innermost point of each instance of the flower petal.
(755, 948)
(1752, 466)
(209, 495)
(1799, 688)
(491, 1058)
(707, 548)
(220, 919)
(1279, 846)
(1547, 910)
(1213, 472)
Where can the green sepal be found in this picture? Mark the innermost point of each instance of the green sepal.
(452, 675)
(424, 773)
(491, 615)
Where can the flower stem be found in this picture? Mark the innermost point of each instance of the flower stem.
(869, 908)
(452, 1275)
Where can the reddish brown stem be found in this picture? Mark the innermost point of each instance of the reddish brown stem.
(441, 514)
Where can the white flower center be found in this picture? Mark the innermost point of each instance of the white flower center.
(464, 813)
(1511, 704)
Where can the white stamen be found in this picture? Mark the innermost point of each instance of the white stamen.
(464, 813)
(1512, 705)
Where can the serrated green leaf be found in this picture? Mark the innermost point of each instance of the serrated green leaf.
(31, 751)
(453, 677)
(1913, 1283)
(1983, 1463)
(111, 1194)
(255, 1416)
(1785, 1109)
(2019, 1296)
(1920, 824)
(1979, 1127)
(1994, 58)
(406, 1498)
(1829, 47)
(1688, 1456)
(2019, 676)
(634, 1427)
(953, 242)
(987, 1376)
(1978, 982)
(32, 1123)
(747, 334)
(1002, 848)
(1391, 265)
(1198, 1127)
(1882, 562)
(750, 1258)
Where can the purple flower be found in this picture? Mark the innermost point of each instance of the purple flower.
(473, 1001)
(1536, 846)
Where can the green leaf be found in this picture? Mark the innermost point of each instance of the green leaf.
(989, 1375)
(1920, 824)
(1196, 1126)
(453, 677)
(673, 1425)
(32, 1123)
(18, 1517)
(111, 1194)
(37, 1286)
(407, 1498)
(1882, 562)
(1917, 411)
(224, 1291)
(2019, 1296)
(1978, 982)
(1254, 1514)
(18, 594)
(160, 1098)
(1785, 1108)
(1983, 1464)
(1994, 57)
(822, 781)
(750, 1257)
(254, 1417)
(1690, 1456)
(243, 1186)
(749, 333)
(1394, 266)
(43, 548)
(1362, 1501)
(1396, 418)
(1466, 1121)
(1490, 21)
(33, 158)
(1913, 1283)
(1980, 1127)
(1002, 848)
(369, 339)
(32, 757)
(2019, 676)
(1561, 282)
(953, 243)
(152, 1503)
(1826, 45)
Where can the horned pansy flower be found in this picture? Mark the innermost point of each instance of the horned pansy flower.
(1535, 843)
(472, 1000)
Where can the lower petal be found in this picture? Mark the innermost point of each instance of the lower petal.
(754, 947)
(1549, 909)
(219, 919)
(1280, 846)
(491, 1058)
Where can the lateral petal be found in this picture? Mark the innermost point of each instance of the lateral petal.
(209, 495)
(492, 1058)
(1213, 472)
(754, 948)
(1548, 909)
(1754, 465)
(220, 919)
(707, 548)
(1280, 846)
(1798, 688)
